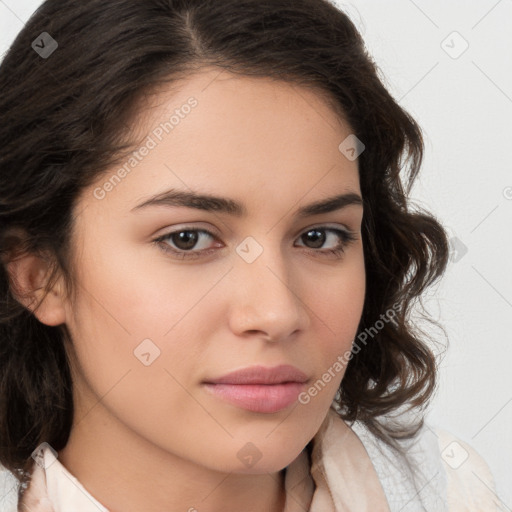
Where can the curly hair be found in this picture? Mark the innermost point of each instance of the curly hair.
(66, 118)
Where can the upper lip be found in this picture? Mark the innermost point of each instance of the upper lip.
(262, 375)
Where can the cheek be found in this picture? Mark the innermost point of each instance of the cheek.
(342, 316)
(338, 303)
(136, 324)
(137, 373)
(136, 291)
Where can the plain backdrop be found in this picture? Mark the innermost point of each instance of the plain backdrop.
(449, 64)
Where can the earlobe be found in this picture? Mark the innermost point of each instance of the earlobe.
(29, 276)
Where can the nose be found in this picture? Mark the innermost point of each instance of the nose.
(265, 298)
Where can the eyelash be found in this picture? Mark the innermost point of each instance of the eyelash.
(347, 237)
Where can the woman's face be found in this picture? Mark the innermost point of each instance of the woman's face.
(236, 286)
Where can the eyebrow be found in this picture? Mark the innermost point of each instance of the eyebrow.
(212, 203)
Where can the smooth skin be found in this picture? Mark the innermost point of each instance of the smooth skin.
(150, 437)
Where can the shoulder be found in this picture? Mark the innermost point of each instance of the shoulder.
(413, 477)
(435, 470)
(470, 482)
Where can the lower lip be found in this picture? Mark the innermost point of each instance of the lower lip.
(258, 397)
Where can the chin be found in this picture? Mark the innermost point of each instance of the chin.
(271, 458)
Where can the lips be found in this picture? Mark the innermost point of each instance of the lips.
(259, 389)
(262, 375)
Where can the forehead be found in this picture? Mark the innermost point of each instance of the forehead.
(215, 131)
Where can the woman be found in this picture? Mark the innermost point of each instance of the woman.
(208, 267)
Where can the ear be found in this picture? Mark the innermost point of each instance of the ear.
(29, 275)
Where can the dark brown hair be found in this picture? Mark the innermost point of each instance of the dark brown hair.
(66, 118)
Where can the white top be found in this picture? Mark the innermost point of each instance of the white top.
(349, 469)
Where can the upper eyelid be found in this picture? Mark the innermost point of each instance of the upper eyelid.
(327, 225)
(212, 234)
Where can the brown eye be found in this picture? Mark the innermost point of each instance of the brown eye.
(316, 238)
(183, 242)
